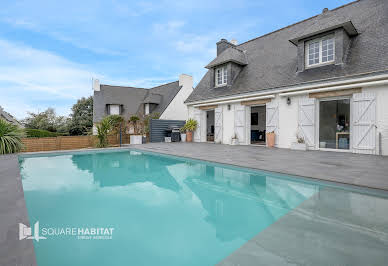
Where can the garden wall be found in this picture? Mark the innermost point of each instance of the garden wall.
(68, 142)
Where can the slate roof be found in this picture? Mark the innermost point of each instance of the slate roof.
(272, 58)
(231, 54)
(132, 99)
(9, 118)
(153, 98)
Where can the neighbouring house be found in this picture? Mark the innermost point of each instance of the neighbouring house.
(167, 100)
(9, 118)
(324, 79)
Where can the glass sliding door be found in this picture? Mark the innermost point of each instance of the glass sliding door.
(334, 124)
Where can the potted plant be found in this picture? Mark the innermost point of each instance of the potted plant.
(234, 140)
(270, 139)
(137, 138)
(183, 134)
(300, 144)
(190, 127)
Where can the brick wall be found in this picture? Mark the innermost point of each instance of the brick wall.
(68, 142)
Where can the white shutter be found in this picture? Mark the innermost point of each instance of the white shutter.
(306, 120)
(239, 123)
(197, 132)
(364, 123)
(218, 125)
(272, 119)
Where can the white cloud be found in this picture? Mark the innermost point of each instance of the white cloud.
(39, 70)
(28, 74)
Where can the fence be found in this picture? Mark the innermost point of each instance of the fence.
(158, 128)
(68, 142)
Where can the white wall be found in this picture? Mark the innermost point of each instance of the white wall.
(177, 109)
(288, 119)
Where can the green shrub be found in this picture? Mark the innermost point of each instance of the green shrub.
(40, 133)
(190, 125)
(108, 124)
(10, 137)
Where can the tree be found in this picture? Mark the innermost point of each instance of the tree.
(47, 120)
(82, 117)
(10, 137)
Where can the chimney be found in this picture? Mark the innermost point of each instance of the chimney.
(186, 80)
(233, 41)
(96, 85)
(222, 45)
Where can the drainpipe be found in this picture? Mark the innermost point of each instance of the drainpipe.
(120, 134)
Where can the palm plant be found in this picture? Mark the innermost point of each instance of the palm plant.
(10, 137)
(102, 133)
(109, 124)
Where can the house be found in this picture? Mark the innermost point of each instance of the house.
(324, 79)
(167, 100)
(9, 118)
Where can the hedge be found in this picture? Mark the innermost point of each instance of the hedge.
(39, 133)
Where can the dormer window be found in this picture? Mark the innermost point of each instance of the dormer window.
(221, 76)
(320, 51)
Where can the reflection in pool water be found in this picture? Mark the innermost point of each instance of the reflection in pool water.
(165, 210)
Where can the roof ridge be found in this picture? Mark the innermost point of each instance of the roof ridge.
(296, 23)
(123, 86)
(164, 84)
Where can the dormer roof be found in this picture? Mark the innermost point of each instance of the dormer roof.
(231, 54)
(325, 26)
(153, 98)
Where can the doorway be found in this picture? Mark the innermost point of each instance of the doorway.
(210, 125)
(334, 124)
(258, 124)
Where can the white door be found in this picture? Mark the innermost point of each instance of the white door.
(272, 119)
(239, 123)
(197, 132)
(218, 125)
(306, 120)
(364, 123)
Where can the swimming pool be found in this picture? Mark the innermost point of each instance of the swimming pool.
(165, 210)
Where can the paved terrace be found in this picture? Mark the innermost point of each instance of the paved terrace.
(354, 169)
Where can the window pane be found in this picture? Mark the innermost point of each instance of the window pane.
(313, 53)
(334, 121)
(225, 75)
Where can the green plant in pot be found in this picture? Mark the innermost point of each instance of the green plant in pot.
(10, 137)
(137, 137)
(183, 134)
(190, 127)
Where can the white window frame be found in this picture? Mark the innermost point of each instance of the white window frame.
(306, 51)
(317, 128)
(224, 76)
(115, 106)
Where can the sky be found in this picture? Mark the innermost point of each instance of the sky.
(51, 50)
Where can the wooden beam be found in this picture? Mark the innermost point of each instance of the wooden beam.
(255, 102)
(208, 107)
(325, 94)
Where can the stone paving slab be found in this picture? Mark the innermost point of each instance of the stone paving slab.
(12, 212)
(354, 169)
(334, 227)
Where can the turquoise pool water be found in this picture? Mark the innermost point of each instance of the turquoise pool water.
(163, 210)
